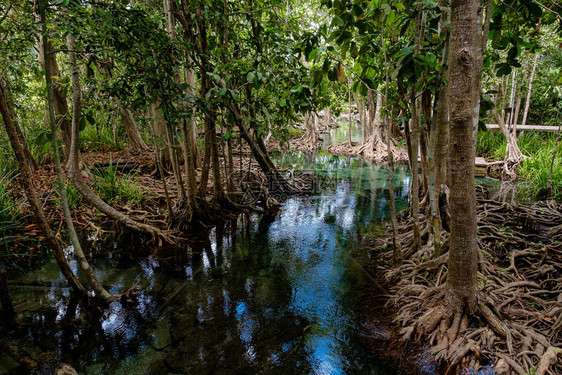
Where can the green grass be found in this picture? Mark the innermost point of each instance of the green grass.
(536, 170)
(113, 186)
(100, 139)
(491, 145)
(72, 195)
(539, 147)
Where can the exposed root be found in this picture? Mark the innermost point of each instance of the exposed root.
(373, 150)
(516, 327)
(306, 144)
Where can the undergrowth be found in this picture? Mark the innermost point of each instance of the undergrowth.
(535, 170)
(113, 186)
(100, 138)
(72, 195)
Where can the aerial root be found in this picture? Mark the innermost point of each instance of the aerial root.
(516, 325)
(372, 150)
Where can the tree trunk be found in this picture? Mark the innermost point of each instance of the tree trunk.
(362, 114)
(133, 134)
(424, 135)
(529, 90)
(47, 51)
(377, 124)
(87, 193)
(513, 154)
(464, 89)
(171, 28)
(31, 163)
(349, 106)
(310, 127)
(160, 135)
(437, 153)
(397, 247)
(73, 164)
(372, 114)
(414, 191)
(192, 127)
(11, 124)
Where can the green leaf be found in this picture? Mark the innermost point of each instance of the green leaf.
(82, 123)
(90, 118)
(534, 9)
(357, 10)
(326, 66)
(337, 21)
(332, 75)
(503, 69)
(312, 54)
(250, 77)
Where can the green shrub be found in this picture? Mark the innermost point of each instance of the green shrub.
(99, 138)
(113, 186)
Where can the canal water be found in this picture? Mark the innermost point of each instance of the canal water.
(259, 296)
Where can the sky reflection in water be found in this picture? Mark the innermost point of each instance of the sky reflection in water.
(280, 298)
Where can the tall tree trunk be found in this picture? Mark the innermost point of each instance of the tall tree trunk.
(415, 187)
(529, 90)
(414, 129)
(47, 53)
(362, 113)
(171, 28)
(161, 135)
(371, 114)
(397, 247)
(192, 126)
(87, 193)
(424, 139)
(437, 153)
(464, 88)
(349, 106)
(73, 160)
(133, 134)
(30, 160)
(11, 125)
(518, 103)
(377, 128)
(211, 155)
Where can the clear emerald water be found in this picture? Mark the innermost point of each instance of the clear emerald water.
(273, 297)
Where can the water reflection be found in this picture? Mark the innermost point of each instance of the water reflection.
(277, 299)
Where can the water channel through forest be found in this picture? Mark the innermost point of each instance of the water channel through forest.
(275, 296)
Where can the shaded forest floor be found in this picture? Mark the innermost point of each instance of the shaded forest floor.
(126, 180)
(518, 328)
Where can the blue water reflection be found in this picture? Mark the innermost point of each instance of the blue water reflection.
(277, 298)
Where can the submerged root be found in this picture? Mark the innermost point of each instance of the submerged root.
(516, 326)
